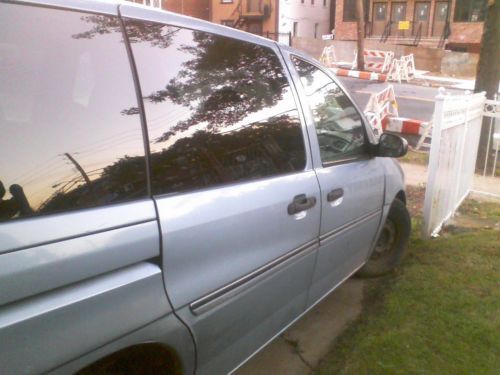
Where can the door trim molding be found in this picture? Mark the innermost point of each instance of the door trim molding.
(218, 296)
(337, 231)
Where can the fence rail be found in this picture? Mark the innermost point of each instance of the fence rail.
(455, 139)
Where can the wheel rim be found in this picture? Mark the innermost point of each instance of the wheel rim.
(386, 240)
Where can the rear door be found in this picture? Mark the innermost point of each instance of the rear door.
(233, 183)
(78, 233)
(351, 182)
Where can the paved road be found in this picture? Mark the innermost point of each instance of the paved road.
(416, 102)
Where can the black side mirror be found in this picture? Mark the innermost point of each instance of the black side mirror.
(391, 145)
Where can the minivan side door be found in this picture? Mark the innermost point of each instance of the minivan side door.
(351, 181)
(232, 178)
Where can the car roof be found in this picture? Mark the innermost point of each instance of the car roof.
(147, 13)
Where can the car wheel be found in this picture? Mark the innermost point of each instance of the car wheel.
(391, 244)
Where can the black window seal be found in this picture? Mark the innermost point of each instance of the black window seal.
(140, 103)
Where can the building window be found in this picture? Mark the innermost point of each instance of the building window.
(316, 25)
(312, 2)
(324, 3)
(302, 1)
(470, 10)
(226, 1)
(150, 3)
(295, 28)
(349, 10)
(229, 23)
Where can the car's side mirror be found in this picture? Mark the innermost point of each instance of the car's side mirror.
(391, 145)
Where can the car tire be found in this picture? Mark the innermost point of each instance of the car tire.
(391, 244)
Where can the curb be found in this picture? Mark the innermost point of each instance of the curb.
(370, 76)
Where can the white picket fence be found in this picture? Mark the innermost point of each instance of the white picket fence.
(455, 139)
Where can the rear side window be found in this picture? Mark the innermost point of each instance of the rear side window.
(66, 140)
(218, 110)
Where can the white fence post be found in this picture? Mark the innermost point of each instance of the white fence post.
(433, 161)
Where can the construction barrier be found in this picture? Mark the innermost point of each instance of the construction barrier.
(378, 61)
(371, 76)
(382, 114)
(380, 107)
(402, 69)
(329, 59)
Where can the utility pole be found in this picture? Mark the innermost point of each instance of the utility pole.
(79, 167)
(360, 26)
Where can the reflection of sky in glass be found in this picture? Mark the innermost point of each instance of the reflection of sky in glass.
(58, 95)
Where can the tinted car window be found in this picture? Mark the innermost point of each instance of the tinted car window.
(66, 142)
(218, 110)
(339, 127)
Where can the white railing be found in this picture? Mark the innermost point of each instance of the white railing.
(455, 139)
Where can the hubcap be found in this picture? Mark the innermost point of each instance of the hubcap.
(386, 240)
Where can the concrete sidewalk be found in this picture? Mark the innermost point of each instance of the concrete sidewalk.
(300, 348)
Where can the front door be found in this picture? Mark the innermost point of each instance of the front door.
(351, 182)
(421, 18)
(398, 13)
(379, 18)
(440, 15)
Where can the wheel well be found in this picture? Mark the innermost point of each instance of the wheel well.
(150, 358)
(401, 196)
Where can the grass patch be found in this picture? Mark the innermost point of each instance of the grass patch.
(415, 157)
(438, 314)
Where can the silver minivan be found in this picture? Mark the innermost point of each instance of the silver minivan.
(174, 193)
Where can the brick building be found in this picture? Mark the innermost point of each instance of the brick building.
(459, 23)
(255, 16)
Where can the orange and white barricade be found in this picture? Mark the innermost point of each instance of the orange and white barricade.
(407, 67)
(378, 61)
(402, 69)
(382, 114)
(380, 107)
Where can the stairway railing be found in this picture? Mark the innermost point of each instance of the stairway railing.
(386, 33)
(418, 35)
(446, 33)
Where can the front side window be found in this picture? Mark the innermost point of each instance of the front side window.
(339, 126)
(219, 110)
(65, 141)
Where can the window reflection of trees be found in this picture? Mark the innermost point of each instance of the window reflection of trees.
(241, 120)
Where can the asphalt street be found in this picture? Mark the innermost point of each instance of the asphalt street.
(415, 102)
